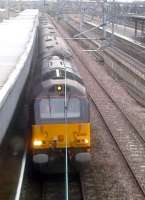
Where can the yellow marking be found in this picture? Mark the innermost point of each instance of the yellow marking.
(53, 135)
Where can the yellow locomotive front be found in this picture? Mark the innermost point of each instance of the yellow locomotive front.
(61, 121)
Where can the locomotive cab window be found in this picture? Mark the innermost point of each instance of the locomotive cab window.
(52, 109)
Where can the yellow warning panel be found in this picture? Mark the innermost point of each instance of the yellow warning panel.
(54, 135)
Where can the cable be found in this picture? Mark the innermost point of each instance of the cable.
(66, 142)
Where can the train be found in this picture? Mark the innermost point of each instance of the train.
(60, 110)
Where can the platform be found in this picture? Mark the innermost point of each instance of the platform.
(17, 38)
(126, 33)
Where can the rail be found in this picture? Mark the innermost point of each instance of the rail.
(21, 176)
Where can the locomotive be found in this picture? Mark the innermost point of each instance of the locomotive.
(60, 108)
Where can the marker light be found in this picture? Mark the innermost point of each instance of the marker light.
(37, 142)
(86, 141)
(59, 88)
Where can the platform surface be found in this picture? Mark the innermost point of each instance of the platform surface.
(17, 37)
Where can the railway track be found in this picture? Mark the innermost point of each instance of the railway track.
(130, 144)
(50, 187)
(109, 167)
(124, 59)
(42, 186)
(127, 137)
(49, 191)
(122, 100)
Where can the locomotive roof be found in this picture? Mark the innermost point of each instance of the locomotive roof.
(54, 61)
(47, 88)
(57, 64)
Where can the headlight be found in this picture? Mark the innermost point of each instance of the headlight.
(86, 141)
(37, 143)
(59, 88)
